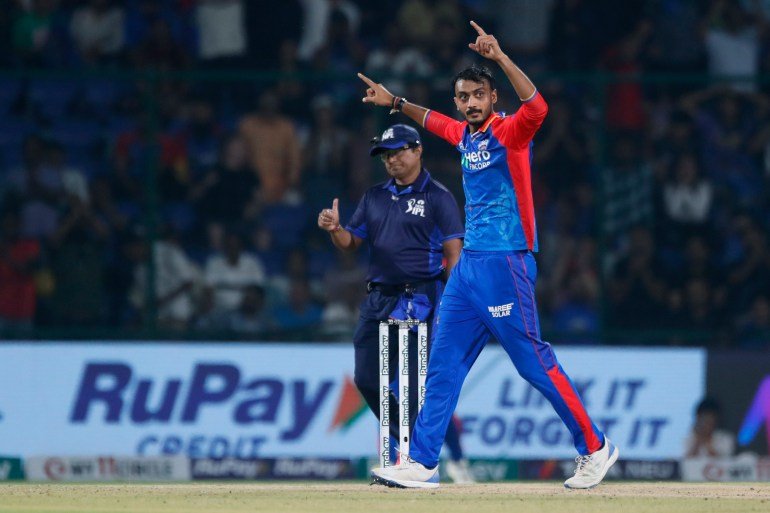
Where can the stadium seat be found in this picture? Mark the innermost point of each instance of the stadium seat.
(9, 93)
(287, 225)
(52, 98)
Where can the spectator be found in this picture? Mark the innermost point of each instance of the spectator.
(44, 186)
(273, 149)
(754, 325)
(202, 135)
(19, 258)
(296, 268)
(98, 31)
(267, 35)
(730, 141)
(250, 317)
(706, 439)
(732, 43)
(176, 277)
(628, 187)
(221, 32)
(525, 32)
(317, 16)
(228, 191)
(749, 273)
(687, 197)
(394, 59)
(573, 44)
(339, 317)
(677, 42)
(574, 290)
(561, 158)
(696, 311)
(159, 50)
(636, 290)
(134, 148)
(301, 312)
(342, 52)
(226, 276)
(32, 31)
(625, 100)
(77, 255)
(326, 153)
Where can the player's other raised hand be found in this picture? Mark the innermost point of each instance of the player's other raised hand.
(486, 45)
(329, 218)
(376, 93)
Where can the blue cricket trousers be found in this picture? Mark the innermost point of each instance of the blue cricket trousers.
(493, 293)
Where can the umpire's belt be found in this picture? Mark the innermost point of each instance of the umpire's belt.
(387, 289)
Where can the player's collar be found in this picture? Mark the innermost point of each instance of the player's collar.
(488, 122)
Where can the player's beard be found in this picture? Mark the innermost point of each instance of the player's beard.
(478, 121)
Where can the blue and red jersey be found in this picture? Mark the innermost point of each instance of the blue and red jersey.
(499, 211)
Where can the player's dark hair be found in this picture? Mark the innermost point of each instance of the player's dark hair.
(475, 73)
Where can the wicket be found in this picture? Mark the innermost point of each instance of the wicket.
(403, 382)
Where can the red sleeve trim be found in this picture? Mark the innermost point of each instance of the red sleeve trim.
(445, 127)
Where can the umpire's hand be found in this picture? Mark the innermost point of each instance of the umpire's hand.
(329, 218)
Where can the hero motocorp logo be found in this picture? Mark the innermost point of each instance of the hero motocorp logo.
(758, 414)
(476, 160)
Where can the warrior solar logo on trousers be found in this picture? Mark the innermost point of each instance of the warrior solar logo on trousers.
(501, 310)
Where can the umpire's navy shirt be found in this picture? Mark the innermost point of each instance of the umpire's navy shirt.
(405, 230)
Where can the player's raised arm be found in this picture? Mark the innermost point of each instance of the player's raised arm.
(487, 46)
(441, 125)
(378, 95)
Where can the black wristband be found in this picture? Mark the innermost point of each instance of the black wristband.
(398, 103)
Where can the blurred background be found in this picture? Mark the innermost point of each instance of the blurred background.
(202, 128)
(146, 145)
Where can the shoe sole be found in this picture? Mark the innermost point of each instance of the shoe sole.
(391, 483)
(610, 462)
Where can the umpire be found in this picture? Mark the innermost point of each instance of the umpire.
(410, 223)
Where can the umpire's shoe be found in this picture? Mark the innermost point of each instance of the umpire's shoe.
(406, 474)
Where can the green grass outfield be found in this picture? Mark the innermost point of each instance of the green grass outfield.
(511, 497)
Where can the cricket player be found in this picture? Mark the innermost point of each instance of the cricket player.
(491, 291)
(410, 223)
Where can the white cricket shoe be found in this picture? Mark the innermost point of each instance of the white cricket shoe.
(406, 474)
(592, 468)
(459, 472)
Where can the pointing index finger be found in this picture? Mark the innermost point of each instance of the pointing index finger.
(478, 28)
(366, 79)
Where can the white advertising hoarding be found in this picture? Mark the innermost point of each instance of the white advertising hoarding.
(222, 400)
(641, 398)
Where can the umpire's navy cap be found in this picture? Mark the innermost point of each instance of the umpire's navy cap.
(394, 138)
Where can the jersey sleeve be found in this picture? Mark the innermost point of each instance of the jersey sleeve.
(448, 219)
(445, 127)
(357, 224)
(518, 130)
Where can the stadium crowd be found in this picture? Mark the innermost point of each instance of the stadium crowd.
(651, 195)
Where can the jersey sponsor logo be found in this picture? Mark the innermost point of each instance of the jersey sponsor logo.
(483, 144)
(476, 160)
(501, 310)
(416, 207)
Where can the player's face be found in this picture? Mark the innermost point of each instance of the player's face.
(475, 100)
(403, 163)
